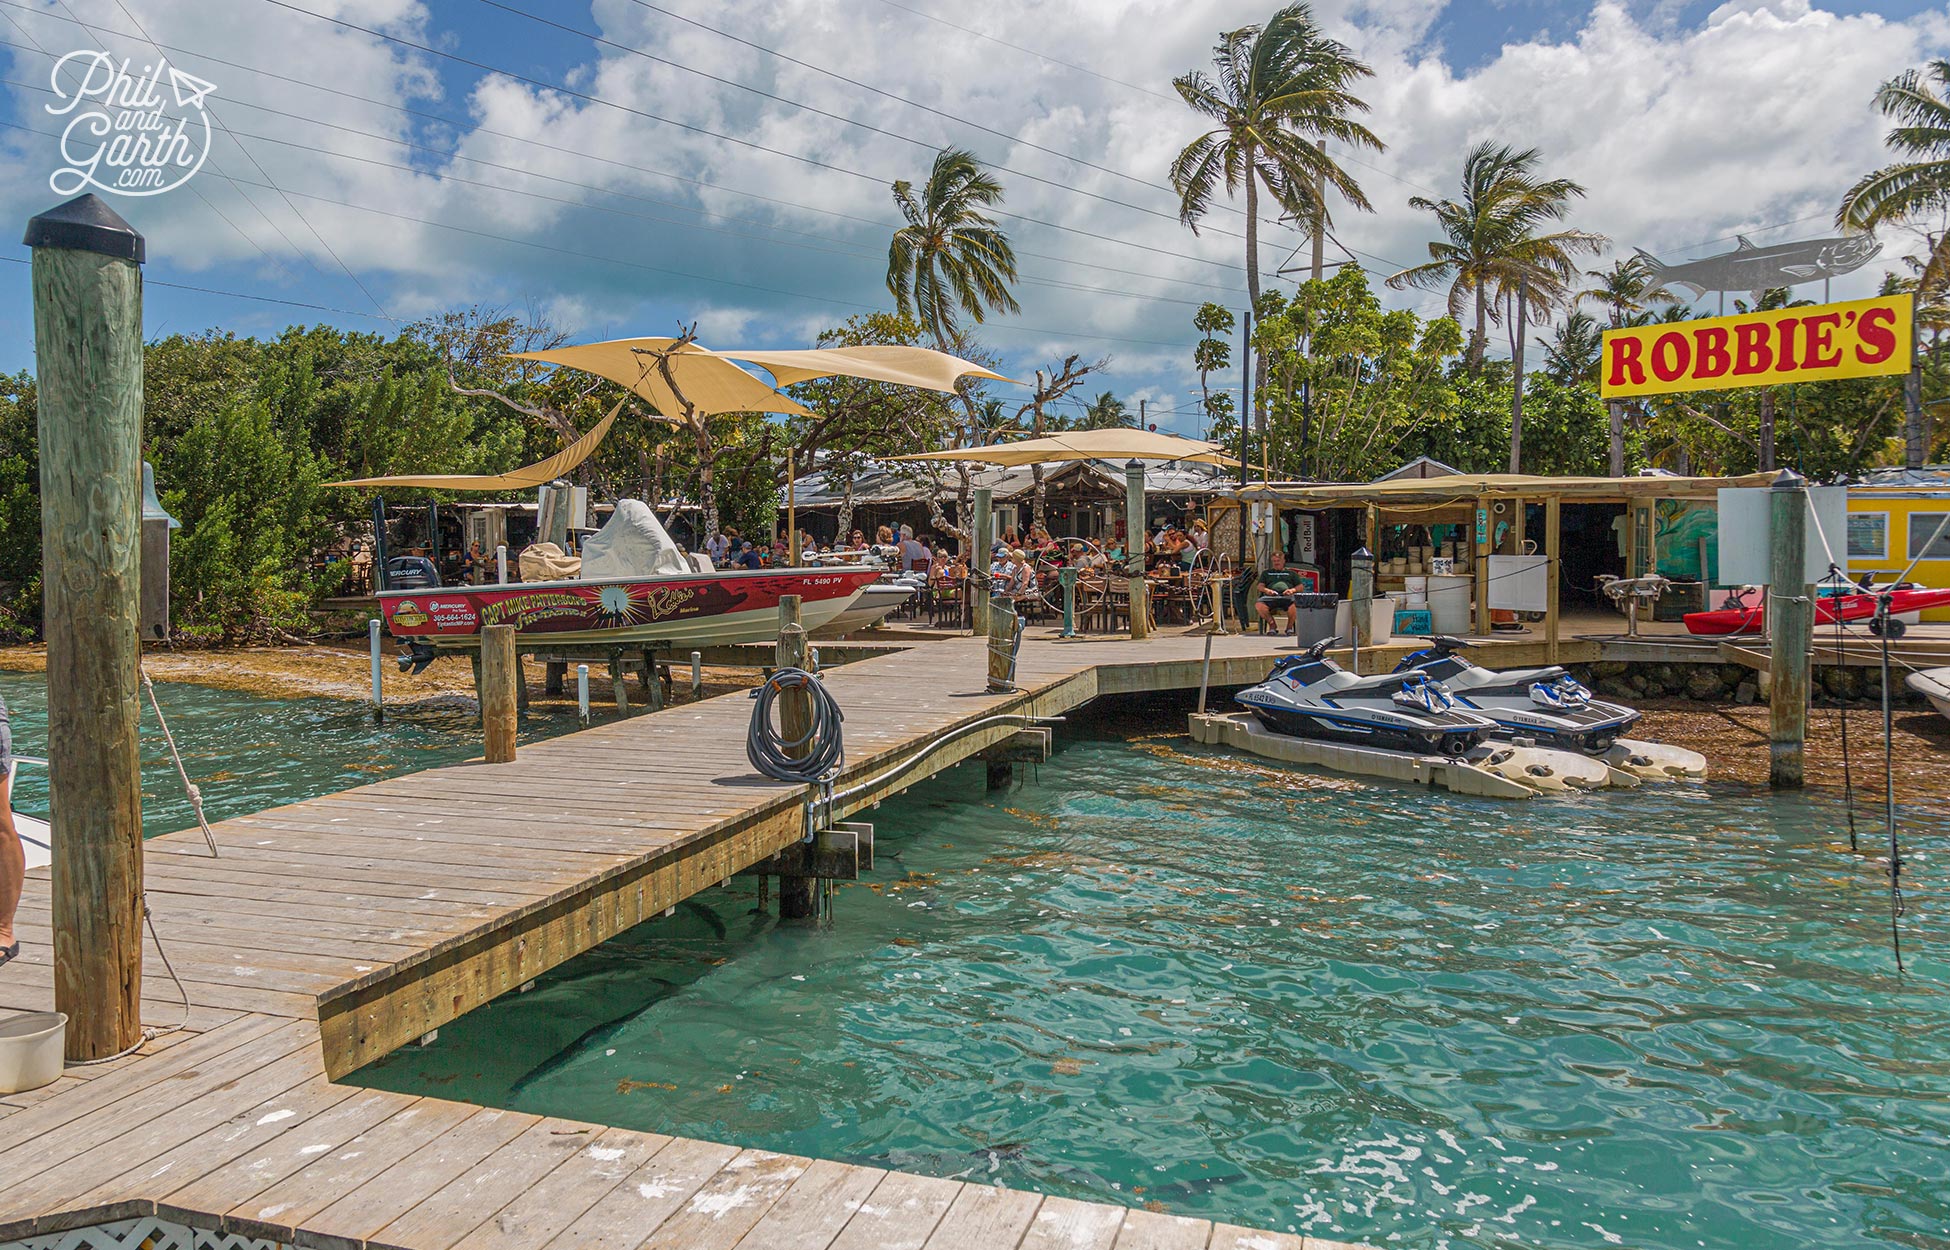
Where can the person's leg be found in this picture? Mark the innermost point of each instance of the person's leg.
(1293, 618)
(1265, 616)
(13, 863)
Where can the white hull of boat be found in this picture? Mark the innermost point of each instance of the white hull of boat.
(1934, 685)
(758, 625)
(874, 605)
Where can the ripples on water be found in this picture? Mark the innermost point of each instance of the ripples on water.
(1159, 975)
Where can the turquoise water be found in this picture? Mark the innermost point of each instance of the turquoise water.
(248, 753)
(1155, 974)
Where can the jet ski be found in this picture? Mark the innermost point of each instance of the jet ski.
(1310, 696)
(1547, 705)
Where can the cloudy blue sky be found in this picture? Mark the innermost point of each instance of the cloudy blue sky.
(625, 165)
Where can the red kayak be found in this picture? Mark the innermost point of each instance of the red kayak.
(1750, 616)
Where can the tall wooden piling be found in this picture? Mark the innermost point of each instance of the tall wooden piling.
(1791, 619)
(1360, 604)
(796, 900)
(87, 277)
(500, 673)
(981, 531)
(1136, 514)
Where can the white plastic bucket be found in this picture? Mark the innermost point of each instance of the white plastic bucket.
(30, 1050)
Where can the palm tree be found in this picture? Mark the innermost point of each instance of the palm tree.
(1492, 250)
(1571, 355)
(950, 260)
(1282, 90)
(1627, 290)
(1495, 252)
(1107, 412)
(1918, 102)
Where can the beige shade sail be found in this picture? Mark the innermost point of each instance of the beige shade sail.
(904, 366)
(1112, 444)
(714, 383)
(711, 382)
(537, 474)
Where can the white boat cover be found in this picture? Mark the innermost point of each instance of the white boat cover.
(633, 544)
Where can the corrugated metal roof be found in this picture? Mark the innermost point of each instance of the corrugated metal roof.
(881, 484)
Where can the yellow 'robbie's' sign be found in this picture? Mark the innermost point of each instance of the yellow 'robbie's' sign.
(1858, 339)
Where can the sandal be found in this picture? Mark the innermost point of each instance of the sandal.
(9, 953)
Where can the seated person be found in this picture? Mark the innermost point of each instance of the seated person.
(749, 558)
(1275, 588)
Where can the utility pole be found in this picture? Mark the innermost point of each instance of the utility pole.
(87, 277)
(1320, 217)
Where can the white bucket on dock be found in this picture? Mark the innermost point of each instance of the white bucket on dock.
(31, 1046)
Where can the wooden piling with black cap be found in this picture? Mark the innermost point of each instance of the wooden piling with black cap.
(87, 278)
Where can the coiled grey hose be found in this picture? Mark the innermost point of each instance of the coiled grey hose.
(772, 754)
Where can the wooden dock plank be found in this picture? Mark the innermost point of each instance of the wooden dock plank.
(900, 1214)
(278, 1212)
(559, 1199)
(391, 1194)
(457, 1208)
(300, 1144)
(985, 1216)
(623, 1217)
(811, 1213)
(1066, 1224)
(721, 1212)
(1151, 1230)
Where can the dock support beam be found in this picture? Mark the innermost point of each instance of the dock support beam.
(500, 672)
(796, 901)
(1791, 616)
(87, 279)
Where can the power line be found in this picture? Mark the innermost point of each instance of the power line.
(266, 175)
(851, 250)
(702, 130)
(656, 172)
(147, 282)
(901, 99)
(838, 117)
(612, 260)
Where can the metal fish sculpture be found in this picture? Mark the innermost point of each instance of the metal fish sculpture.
(1756, 269)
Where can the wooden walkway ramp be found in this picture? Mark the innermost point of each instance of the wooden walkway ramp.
(331, 931)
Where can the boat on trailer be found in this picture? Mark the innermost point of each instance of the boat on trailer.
(635, 587)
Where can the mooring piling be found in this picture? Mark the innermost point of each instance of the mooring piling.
(87, 280)
(500, 674)
(1135, 515)
(697, 674)
(582, 695)
(1790, 618)
(375, 647)
(980, 531)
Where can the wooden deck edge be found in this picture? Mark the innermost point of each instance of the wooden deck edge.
(366, 1021)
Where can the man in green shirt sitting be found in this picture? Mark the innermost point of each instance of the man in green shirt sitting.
(1276, 585)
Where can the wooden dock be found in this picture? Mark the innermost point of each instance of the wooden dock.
(334, 930)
